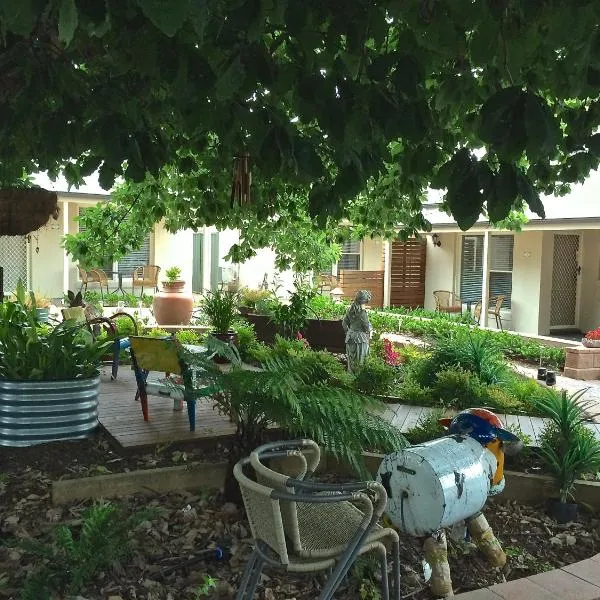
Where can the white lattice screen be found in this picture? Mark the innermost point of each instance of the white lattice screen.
(13, 258)
(564, 280)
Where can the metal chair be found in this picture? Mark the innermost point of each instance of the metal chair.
(446, 301)
(303, 527)
(95, 324)
(497, 302)
(146, 276)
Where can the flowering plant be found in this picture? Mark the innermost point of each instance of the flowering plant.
(390, 356)
(594, 334)
(302, 339)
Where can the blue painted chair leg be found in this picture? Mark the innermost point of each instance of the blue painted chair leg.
(191, 407)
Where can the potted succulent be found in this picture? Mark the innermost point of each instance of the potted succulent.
(592, 338)
(220, 307)
(568, 448)
(173, 306)
(49, 377)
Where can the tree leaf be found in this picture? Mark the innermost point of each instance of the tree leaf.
(19, 16)
(231, 80)
(166, 15)
(67, 21)
(541, 127)
(530, 195)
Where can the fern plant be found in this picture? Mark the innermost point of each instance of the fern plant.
(296, 394)
(71, 561)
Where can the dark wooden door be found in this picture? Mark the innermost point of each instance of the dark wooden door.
(407, 281)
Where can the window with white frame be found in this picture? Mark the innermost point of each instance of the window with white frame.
(501, 266)
(471, 268)
(350, 257)
(126, 264)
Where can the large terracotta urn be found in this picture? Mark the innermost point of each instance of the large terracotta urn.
(173, 306)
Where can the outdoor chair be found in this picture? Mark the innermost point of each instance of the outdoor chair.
(145, 277)
(495, 310)
(447, 302)
(162, 354)
(93, 276)
(97, 324)
(302, 526)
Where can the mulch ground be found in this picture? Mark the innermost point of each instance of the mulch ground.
(162, 565)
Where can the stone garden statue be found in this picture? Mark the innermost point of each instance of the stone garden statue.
(358, 330)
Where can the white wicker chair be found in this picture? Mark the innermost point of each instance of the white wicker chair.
(304, 527)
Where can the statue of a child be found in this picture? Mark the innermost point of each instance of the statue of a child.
(358, 330)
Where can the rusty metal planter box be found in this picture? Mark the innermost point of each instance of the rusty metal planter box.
(34, 412)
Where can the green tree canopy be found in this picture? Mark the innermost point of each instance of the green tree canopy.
(344, 104)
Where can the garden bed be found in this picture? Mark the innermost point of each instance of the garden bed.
(181, 524)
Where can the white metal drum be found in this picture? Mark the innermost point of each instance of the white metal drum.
(436, 484)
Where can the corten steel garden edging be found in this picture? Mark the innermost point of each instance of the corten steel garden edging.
(522, 487)
(35, 412)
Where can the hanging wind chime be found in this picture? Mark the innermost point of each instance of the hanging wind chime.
(242, 180)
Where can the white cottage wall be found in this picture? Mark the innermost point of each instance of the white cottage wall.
(442, 272)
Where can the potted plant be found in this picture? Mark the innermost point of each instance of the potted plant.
(568, 448)
(76, 309)
(173, 306)
(49, 377)
(41, 305)
(249, 299)
(220, 307)
(592, 338)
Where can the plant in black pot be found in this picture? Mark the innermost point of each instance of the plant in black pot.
(568, 448)
(49, 377)
(220, 307)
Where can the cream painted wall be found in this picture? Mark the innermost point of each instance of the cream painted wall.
(589, 313)
(441, 270)
(546, 282)
(526, 281)
(174, 250)
(372, 254)
(47, 265)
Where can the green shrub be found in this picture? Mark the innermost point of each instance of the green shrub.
(325, 307)
(325, 368)
(460, 389)
(410, 392)
(502, 401)
(74, 559)
(259, 352)
(427, 427)
(188, 336)
(157, 332)
(374, 377)
(284, 347)
(383, 323)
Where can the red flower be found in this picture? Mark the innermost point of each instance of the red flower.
(390, 357)
(594, 334)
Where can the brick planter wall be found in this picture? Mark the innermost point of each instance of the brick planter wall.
(582, 363)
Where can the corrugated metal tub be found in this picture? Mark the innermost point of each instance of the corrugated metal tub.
(33, 412)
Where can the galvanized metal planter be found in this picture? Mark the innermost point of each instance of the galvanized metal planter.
(34, 412)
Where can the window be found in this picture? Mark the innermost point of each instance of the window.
(471, 271)
(501, 265)
(350, 257)
(107, 265)
(500, 260)
(125, 265)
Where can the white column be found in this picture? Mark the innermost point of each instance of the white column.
(387, 273)
(206, 259)
(66, 259)
(485, 279)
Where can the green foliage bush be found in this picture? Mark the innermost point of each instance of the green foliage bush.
(189, 336)
(324, 307)
(410, 392)
(427, 427)
(460, 389)
(72, 560)
(325, 368)
(283, 347)
(375, 377)
(112, 299)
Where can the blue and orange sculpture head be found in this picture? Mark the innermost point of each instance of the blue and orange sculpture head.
(487, 428)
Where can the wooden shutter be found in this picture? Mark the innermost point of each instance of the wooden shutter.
(407, 273)
(471, 268)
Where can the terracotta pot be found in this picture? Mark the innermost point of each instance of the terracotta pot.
(229, 337)
(173, 306)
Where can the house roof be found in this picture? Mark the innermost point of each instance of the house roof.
(580, 208)
(90, 190)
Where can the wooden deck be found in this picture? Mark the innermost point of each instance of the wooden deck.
(122, 417)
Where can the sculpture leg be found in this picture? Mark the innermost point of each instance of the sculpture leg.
(436, 554)
(351, 356)
(486, 541)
